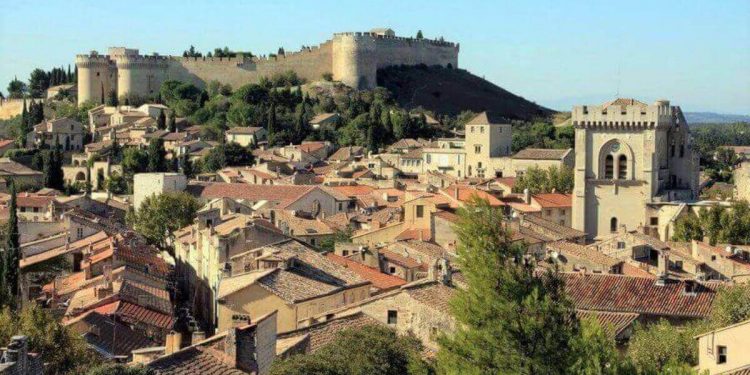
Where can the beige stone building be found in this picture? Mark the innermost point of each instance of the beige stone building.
(68, 133)
(725, 350)
(628, 155)
(245, 136)
(148, 184)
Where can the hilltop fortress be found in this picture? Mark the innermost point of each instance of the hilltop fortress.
(353, 58)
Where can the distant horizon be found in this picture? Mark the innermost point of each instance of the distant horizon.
(556, 55)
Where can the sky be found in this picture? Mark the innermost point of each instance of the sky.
(555, 53)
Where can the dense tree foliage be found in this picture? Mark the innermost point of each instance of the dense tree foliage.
(511, 320)
(229, 154)
(63, 351)
(375, 350)
(688, 228)
(160, 215)
(720, 224)
(9, 279)
(118, 369)
(541, 134)
(537, 180)
(17, 89)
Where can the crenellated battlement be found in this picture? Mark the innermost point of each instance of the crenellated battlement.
(378, 36)
(352, 57)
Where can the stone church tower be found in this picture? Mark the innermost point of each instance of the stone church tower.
(629, 155)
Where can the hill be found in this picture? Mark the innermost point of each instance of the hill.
(450, 91)
(714, 118)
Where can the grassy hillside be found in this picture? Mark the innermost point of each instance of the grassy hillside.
(450, 91)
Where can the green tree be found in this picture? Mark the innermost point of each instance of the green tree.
(509, 319)
(112, 99)
(735, 224)
(116, 184)
(271, 125)
(419, 35)
(655, 346)
(171, 122)
(364, 351)
(157, 156)
(711, 222)
(160, 215)
(16, 89)
(186, 166)
(63, 351)
(38, 83)
(161, 121)
(539, 180)
(11, 254)
(731, 306)
(224, 155)
(688, 228)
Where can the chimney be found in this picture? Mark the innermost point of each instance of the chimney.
(663, 262)
(172, 342)
(526, 196)
(197, 337)
(104, 291)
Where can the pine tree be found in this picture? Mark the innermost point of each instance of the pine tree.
(11, 252)
(171, 123)
(271, 125)
(419, 34)
(509, 319)
(387, 127)
(373, 141)
(161, 121)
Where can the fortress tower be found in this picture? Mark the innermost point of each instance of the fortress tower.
(352, 58)
(630, 156)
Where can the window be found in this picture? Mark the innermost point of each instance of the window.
(609, 167)
(477, 149)
(345, 252)
(429, 158)
(471, 129)
(420, 211)
(341, 206)
(391, 270)
(481, 129)
(678, 264)
(613, 225)
(392, 317)
(312, 241)
(562, 212)
(682, 150)
(622, 167)
(36, 209)
(548, 212)
(620, 245)
(79, 233)
(721, 356)
(479, 165)
(672, 150)
(654, 220)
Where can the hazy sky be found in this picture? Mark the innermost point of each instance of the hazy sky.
(557, 53)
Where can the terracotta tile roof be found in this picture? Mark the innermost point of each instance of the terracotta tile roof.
(740, 371)
(6, 142)
(541, 154)
(488, 118)
(623, 102)
(243, 130)
(106, 335)
(346, 153)
(551, 229)
(554, 200)
(365, 173)
(147, 296)
(321, 334)
(282, 194)
(430, 249)
(399, 259)
(132, 313)
(176, 136)
(298, 226)
(453, 218)
(415, 234)
(193, 360)
(310, 274)
(431, 293)
(466, 193)
(353, 190)
(575, 250)
(413, 154)
(379, 280)
(613, 323)
(233, 284)
(631, 270)
(309, 147)
(98, 241)
(9, 167)
(507, 181)
(617, 293)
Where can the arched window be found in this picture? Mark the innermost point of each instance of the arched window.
(613, 225)
(622, 167)
(609, 167)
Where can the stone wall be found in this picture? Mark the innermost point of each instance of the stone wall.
(10, 108)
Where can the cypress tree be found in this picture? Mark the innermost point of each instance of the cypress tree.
(58, 178)
(171, 123)
(156, 155)
(187, 166)
(387, 127)
(75, 74)
(69, 77)
(299, 126)
(271, 125)
(11, 254)
(161, 121)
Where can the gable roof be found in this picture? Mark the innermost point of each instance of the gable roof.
(281, 194)
(488, 118)
(244, 130)
(381, 281)
(554, 200)
(623, 102)
(617, 293)
(106, 335)
(320, 334)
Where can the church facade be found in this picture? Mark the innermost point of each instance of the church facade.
(630, 157)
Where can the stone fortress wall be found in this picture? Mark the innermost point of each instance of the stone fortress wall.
(352, 58)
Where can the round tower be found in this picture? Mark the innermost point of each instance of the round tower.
(139, 75)
(353, 60)
(95, 77)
